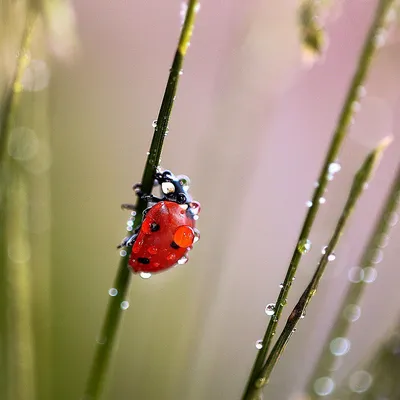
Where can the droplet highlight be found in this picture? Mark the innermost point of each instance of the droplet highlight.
(270, 309)
(304, 246)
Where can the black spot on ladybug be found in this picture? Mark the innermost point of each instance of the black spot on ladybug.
(154, 227)
(143, 260)
(174, 245)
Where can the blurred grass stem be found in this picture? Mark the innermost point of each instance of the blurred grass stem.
(340, 133)
(107, 338)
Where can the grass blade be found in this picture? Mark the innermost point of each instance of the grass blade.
(107, 338)
(357, 188)
(340, 133)
(355, 291)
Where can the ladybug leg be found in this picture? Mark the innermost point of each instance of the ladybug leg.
(130, 207)
(151, 198)
(128, 241)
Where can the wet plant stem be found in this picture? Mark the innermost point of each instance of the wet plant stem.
(355, 290)
(11, 99)
(357, 188)
(108, 335)
(339, 135)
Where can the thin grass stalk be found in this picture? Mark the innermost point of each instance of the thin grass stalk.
(360, 75)
(378, 378)
(357, 188)
(355, 291)
(20, 349)
(17, 376)
(108, 334)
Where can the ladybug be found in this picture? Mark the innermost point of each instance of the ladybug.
(168, 229)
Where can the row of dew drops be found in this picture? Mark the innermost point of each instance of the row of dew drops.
(304, 246)
(359, 381)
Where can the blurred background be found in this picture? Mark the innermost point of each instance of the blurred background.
(250, 126)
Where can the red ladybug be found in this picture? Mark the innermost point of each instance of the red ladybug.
(168, 229)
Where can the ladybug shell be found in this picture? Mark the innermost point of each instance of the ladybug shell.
(154, 249)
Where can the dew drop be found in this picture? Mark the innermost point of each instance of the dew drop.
(324, 386)
(19, 254)
(316, 184)
(380, 38)
(124, 305)
(304, 246)
(184, 181)
(360, 381)
(352, 312)
(270, 309)
(340, 346)
(355, 274)
(334, 168)
(148, 153)
(393, 219)
(370, 274)
(122, 253)
(23, 144)
(309, 203)
(331, 256)
(197, 8)
(259, 344)
(112, 292)
(377, 256)
(152, 250)
(181, 72)
(183, 260)
(133, 213)
(196, 235)
(154, 123)
(322, 200)
(384, 240)
(145, 275)
(361, 92)
(294, 330)
(356, 106)
(281, 285)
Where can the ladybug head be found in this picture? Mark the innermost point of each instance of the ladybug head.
(174, 188)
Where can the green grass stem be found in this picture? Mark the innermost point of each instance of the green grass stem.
(360, 75)
(357, 188)
(355, 291)
(107, 339)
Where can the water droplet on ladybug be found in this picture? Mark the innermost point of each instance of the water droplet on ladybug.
(183, 260)
(184, 236)
(152, 250)
(195, 207)
(145, 275)
(270, 309)
(184, 181)
(113, 292)
(259, 344)
(171, 256)
(196, 235)
(304, 246)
